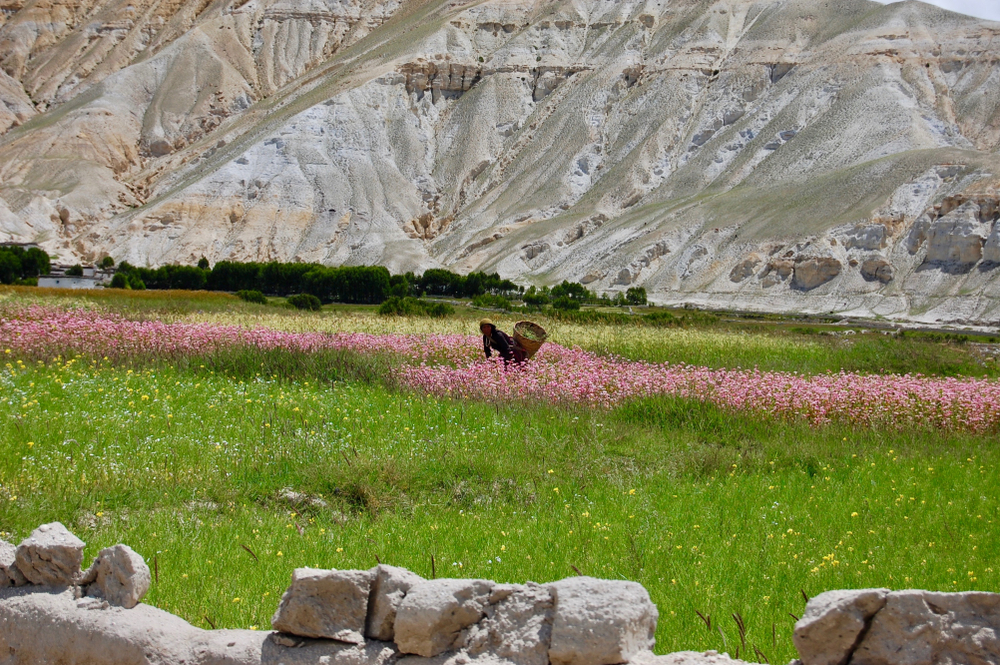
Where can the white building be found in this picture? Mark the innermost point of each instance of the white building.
(92, 278)
(69, 282)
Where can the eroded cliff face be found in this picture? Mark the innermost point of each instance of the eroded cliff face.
(774, 155)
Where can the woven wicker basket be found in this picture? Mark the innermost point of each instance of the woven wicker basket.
(529, 336)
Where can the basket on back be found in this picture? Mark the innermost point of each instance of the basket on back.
(529, 336)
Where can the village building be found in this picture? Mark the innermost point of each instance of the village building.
(92, 278)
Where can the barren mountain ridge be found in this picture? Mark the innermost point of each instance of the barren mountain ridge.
(791, 155)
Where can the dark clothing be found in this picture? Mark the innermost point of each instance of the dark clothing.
(505, 347)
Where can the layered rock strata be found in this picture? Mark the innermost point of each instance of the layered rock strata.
(840, 157)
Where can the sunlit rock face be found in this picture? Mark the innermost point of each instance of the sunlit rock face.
(788, 156)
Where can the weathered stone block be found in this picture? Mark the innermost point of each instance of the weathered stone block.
(957, 239)
(50, 555)
(518, 625)
(600, 622)
(432, 616)
(927, 628)
(119, 575)
(745, 268)
(389, 586)
(829, 630)
(10, 574)
(330, 604)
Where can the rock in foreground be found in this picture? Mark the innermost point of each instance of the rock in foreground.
(51, 555)
(389, 586)
(879, 627)
(600, 622)
(331, 604)
(118, 575)
(10, 574)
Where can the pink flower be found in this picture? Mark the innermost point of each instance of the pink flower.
(453, 366)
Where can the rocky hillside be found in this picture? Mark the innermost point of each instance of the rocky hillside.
(787, 155)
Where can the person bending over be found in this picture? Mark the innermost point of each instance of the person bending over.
(497, 340)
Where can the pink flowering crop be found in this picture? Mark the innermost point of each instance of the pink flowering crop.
(452, 366)
(42, 333)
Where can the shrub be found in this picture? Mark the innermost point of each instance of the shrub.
(396, 306)
(75, 271)
(438, 310)
(492, 301)
(107, 262)
(536, 298)
(254, 296)
(305, 301)
(565, 303)
(120, 281)
(660, 319)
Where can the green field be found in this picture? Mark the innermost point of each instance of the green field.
(713, 512)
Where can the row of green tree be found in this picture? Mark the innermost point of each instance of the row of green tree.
(349, 284)
(19, 265)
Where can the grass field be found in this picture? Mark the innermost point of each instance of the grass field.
(714, 511)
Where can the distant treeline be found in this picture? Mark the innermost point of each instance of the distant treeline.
(363, 284)
(348, 284)
(20, 265)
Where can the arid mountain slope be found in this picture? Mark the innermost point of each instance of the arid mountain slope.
(790, 155)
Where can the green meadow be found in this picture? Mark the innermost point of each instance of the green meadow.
(719, 515)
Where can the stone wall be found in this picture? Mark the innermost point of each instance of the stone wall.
(52, 611)
(911, 627)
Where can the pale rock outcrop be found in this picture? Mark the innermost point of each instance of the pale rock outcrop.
(829, 629)
(517, 626)
(957, 238)
(330, 604)
(432, 616)
(877, 269)
(991, 250)
(118, 575)
(927, 628)
(10, 574)
(868, 236)
(15, 106)
(776, 270)
(745, 268)
(813, 271)
(51, 555)
(599, 622)
(390, 585)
